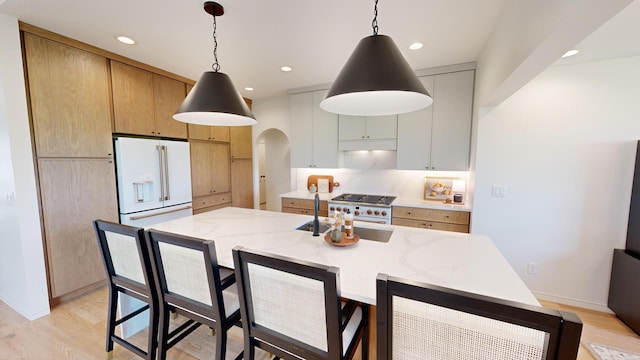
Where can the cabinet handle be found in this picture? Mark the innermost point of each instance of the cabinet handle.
(367, 136)
(363, 136)
(408, 212)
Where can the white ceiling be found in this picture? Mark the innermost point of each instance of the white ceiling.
(256, 37)
(314, 37)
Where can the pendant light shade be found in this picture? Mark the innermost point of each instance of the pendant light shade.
(376, 80)
(214, 100)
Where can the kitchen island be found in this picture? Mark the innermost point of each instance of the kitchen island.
(460, 261)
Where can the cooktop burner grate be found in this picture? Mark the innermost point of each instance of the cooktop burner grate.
(365, 199)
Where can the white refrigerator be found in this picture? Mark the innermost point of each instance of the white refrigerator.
(154, 185)
(154, 180)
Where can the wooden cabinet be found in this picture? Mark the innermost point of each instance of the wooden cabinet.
(210, 168)
(439, 137)
(144, 102)
(241, 139)
(211, 133)
(74, 192)
(367, 132)
(69, 98)
(314, 132)
(303, 206)
(242, 183)
(447, 220)
(241, 166)
(211, 202)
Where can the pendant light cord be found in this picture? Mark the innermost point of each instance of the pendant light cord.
(374, 23)
(215, 65)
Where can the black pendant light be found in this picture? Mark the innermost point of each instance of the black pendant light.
(376, 80)
(214, 99)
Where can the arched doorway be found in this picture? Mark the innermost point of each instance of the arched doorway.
(274, 168)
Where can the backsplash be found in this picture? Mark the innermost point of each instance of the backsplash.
(403, 183)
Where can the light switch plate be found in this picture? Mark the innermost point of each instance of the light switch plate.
(499, 191)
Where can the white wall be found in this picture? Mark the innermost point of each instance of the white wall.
(529, 36)
(273, 128)
(23, 284)
(564, 145)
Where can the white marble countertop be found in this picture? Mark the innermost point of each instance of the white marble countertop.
(430, 204)
(461, 261)
(303, 194)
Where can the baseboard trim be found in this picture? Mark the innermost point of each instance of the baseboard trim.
(573, 302)
(18, 307)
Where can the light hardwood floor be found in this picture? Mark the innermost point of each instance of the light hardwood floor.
(76, 330)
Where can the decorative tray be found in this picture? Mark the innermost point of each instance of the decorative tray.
(343, 240)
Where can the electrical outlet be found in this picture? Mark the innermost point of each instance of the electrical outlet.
(532, 268)
(499, 191)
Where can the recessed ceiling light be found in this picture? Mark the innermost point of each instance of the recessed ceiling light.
(570, 53)
(416, 46)
(286, 68)
(125, 40)
(248, 88)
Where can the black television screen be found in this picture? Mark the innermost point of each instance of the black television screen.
(633, 229)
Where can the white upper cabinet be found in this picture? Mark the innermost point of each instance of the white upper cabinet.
(439, 137)
(314, 132)
(368, 132)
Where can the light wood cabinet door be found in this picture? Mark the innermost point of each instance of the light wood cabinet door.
(201, 168)
(132, 99)
(240, 140)
(447, 220)
(242, 183)
(168, 95)
(69, 93)
(74, 192)
(212, 133)
(210, 168)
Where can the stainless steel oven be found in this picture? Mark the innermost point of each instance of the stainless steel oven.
(366, 208)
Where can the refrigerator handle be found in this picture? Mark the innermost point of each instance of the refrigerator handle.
(167, 193)
(160, 162)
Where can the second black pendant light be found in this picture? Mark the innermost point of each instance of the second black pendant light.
(376, 80)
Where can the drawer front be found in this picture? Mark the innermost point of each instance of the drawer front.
(447, 216)
(293, 203)
(443, 216)
(205, 209)
(433, 225)
(447, 227)
(410, 223)
(291, 210)
(303, 204)
(409, 213)
(211, 200)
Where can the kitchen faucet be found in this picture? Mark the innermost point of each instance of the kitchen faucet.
(316, 222)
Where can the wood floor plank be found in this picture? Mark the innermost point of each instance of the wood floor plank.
(76, 330)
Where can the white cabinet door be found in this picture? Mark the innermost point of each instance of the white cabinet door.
(325, 134)
(368, 132)
(414, 135)
(452, 111)
(301, 112)
(314, 132)
(439, 137)
(352, 127)
(382, 127)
